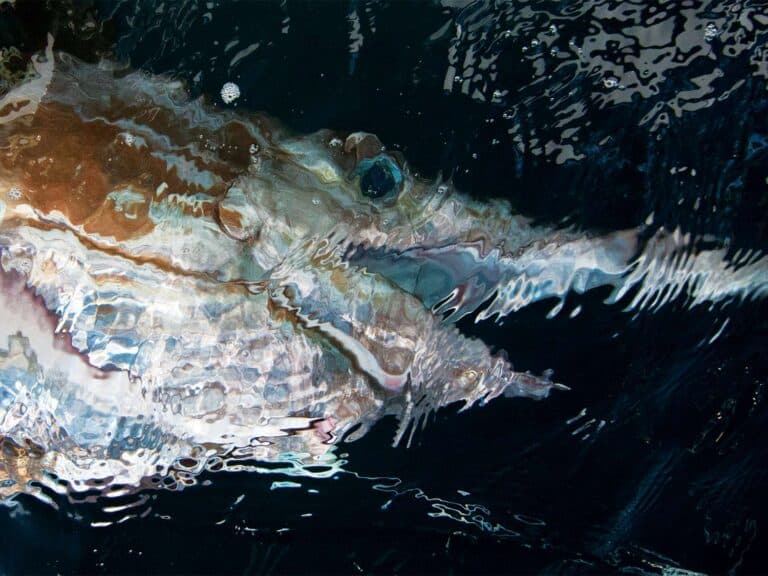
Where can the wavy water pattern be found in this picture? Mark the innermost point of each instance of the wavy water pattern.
(597, 54)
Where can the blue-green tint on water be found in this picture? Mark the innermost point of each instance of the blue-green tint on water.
(600, 115)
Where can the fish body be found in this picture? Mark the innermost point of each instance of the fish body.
(182, 285)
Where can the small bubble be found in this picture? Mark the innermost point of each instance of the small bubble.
(442, 189)
(552, 29)
(316, 201)
(335, 143)
(230, 92)
(14, 193)
(253, 149)
(611, 82)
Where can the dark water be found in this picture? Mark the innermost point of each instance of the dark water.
(594, 113)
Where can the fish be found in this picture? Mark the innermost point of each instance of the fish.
(186, 288)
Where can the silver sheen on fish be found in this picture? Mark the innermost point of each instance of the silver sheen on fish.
(182, 286)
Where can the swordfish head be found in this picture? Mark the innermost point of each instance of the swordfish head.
(182, 285)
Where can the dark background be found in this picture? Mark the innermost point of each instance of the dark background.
(676, 476)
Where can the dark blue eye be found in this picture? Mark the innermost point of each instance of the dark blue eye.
(379, 176)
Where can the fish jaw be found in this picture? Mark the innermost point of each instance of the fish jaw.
(415, 362)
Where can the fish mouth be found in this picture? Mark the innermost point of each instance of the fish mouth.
(454, 279)
(459, 279)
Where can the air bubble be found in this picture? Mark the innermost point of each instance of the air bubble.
(14, 193)
(611, 82)
(230, 92)
(711, 32)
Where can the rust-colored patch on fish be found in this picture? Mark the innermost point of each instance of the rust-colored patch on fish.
(229, 219)
(19, 465)
(78, 168)
(67, 170)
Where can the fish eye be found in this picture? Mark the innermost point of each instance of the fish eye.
(379, 176)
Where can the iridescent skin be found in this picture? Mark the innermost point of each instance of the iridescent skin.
(182, 284)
